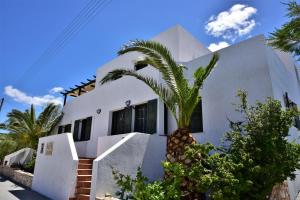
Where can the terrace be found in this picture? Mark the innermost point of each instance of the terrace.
(79, 89)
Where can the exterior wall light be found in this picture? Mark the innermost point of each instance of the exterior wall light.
(98, 111)
(127, 103)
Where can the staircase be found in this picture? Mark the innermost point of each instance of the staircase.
(84, 179)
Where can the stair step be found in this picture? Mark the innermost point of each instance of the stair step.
(83, 190)
(83, 197)
(84, 184)
(85, 166)
(85, 161)
(84, 177)
(84, 172)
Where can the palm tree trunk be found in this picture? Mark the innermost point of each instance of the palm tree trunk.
(176, 144)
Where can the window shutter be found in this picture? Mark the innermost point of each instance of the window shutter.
(68, 128)
(140, 120)
(88, 128)
(165, 119)
(60, 129)
(196, 119)
(127, 120)
(83, 128)
(76, 130)
(151, 116)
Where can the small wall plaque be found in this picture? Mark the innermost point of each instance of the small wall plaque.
(49, 149)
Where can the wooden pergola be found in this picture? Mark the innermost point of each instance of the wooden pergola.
(79, 89)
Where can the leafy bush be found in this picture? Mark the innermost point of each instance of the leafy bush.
(29, 166)
(260, 145)
(7, 146)
(258, 157)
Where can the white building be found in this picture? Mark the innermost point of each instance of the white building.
(99, 113)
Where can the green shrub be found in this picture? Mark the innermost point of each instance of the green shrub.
(7, 146)
(257, 156)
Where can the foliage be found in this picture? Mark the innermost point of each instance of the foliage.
(260, 145)
(139, 188)
(29, 166)
(7, 146)
(25, 128)
(180, 97)
(287, 38)
(257, 157)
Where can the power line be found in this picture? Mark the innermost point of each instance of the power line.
(87, 13)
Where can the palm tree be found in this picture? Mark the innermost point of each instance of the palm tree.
(25, 128)
(179, 96)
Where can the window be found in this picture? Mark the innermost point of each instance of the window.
(82, 129)
(290, 104)
(68, 128)
(139, 66)
(145, 117)
(64, 129)
(60, 129)
(121, 121)
(196, 119)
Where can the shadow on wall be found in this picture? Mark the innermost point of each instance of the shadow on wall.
(133, 151)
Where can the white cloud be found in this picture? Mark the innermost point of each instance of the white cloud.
(56, 90)
(233, 23)
(22, 97)
(217, 46)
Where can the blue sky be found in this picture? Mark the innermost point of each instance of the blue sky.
(28, 28)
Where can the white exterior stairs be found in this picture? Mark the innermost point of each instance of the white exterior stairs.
(84, 179)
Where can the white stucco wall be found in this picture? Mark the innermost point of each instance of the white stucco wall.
(241, 66)
(133, 151)
(112, 96)
(21, 156)
(55, 175)
(106, 142)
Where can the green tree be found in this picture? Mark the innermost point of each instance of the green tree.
(179, 96)
(260, 144)
(287, 38)
(25, 128)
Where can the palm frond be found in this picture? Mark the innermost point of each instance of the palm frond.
(164, 93)
(158, 51)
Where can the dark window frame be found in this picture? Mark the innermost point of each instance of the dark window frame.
(121, 121)
(82, 129)
(139, 66)
(196, 125)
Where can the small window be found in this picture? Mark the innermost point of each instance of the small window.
(197, 119)
(64, 129)
(139, 66)
(60, 129)
(68, 128)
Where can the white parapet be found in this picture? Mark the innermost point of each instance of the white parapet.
(21, 157)
(127, 154)
(56, 167)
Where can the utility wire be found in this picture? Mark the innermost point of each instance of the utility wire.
(87, 13)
